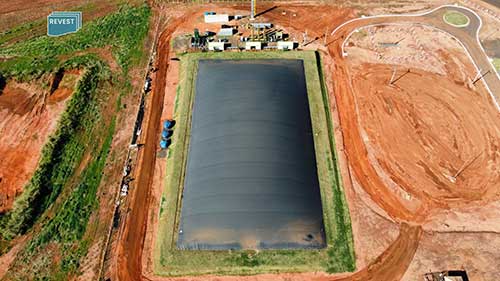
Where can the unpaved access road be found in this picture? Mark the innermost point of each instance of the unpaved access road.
(131, 243)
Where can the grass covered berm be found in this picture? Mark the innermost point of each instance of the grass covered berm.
(57, 203)
(60, 155)
(338, 256)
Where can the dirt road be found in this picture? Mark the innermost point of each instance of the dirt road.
(131, 243)
(392, 264)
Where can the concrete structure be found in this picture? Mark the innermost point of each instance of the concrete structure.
(262, 25)
(216, 18)
(278, 35)
(251, 45)
(286, 45)
(216, 46)
(226, 32)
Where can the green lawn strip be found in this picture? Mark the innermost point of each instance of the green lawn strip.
(343, 243)
(337, 257)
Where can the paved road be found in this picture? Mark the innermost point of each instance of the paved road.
(466, 35)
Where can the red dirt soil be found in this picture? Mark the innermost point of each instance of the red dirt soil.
(410, 134)
(28, 116)
(392, 264)
(421, 135)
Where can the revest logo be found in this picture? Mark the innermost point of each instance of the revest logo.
(62, 23)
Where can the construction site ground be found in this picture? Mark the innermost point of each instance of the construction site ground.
(399, 146)
(418, 133)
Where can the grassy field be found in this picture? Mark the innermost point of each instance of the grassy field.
(456, 18)
(339, 254)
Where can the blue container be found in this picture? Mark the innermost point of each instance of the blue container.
(165, 134)
(163, 144)
(167, 124)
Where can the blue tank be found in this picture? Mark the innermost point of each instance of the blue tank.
(165, 134)
(167, 124)
(163, 144)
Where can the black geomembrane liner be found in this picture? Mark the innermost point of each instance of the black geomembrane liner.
(251, 180)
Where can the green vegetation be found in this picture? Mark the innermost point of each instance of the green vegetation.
(62, 194)
(337, 257)
(123, 31)
(456, 19)
(342, 226)
(496, 64)
(64, 149)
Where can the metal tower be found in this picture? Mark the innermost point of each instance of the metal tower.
(252, 7)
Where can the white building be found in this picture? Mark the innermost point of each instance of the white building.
(224, 32)
(216, 46)
(250, 45)
(286, 45)
(217, 18)
(262, 25)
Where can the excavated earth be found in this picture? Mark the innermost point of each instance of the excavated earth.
(28, 115)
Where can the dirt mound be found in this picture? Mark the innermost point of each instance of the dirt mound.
(17, 100)
(27, 118)
(425, 129)
(431, 136)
